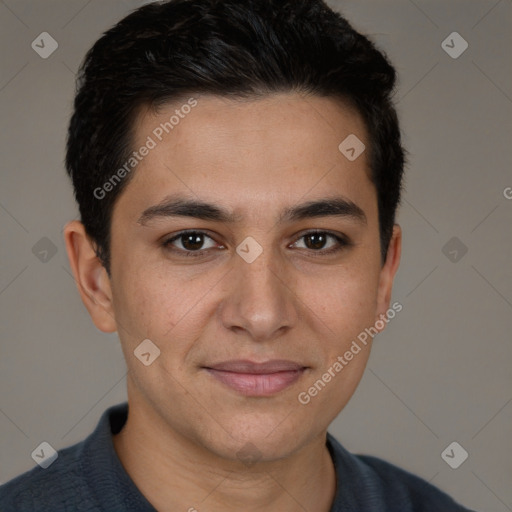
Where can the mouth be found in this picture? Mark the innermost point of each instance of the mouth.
(257, 379)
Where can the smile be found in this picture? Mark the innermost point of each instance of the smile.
(257, 379)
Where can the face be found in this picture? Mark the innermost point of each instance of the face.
(254, 293)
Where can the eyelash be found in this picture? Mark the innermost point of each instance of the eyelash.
(342, 243)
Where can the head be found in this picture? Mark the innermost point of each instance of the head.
(226, 119)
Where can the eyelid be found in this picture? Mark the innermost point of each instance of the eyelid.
(328, 232)
(341, 239)
(166, 243)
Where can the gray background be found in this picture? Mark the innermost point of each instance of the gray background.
(441, 370)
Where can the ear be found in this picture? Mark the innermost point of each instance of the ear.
(90, 276)
(388, 271)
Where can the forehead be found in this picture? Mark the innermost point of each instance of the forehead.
(249, 152)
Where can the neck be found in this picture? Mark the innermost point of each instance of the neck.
(174, 473)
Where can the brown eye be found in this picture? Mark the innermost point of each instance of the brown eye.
(188, 243)
(316, 241)
(192, 241)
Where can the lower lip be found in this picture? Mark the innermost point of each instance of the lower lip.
(250, 384)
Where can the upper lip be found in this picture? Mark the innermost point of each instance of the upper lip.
(245, 366)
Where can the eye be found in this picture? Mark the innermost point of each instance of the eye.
(317, 240)
(191, 242)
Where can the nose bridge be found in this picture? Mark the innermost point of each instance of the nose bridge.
(260, 300)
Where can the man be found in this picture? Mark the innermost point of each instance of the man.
(237, 166)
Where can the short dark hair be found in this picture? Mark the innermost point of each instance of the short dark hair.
(164, 51)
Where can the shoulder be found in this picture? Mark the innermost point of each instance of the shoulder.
(84, 477)
(380, 485)
(55, 488)
(407, 488)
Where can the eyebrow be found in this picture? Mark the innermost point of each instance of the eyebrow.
(176, 206)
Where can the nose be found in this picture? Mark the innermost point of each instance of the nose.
(259, 301)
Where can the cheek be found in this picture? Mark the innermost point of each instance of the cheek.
(346, 307)
(344, 302)
(157, 303)
(136, 294)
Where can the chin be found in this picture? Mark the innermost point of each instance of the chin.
(253, 439)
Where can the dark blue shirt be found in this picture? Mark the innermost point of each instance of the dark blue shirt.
(89, 477)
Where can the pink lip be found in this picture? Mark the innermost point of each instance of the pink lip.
(257, 379)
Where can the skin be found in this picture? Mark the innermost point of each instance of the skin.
(184, 428)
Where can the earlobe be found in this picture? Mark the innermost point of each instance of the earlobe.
(90, 276)
(388, 271)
